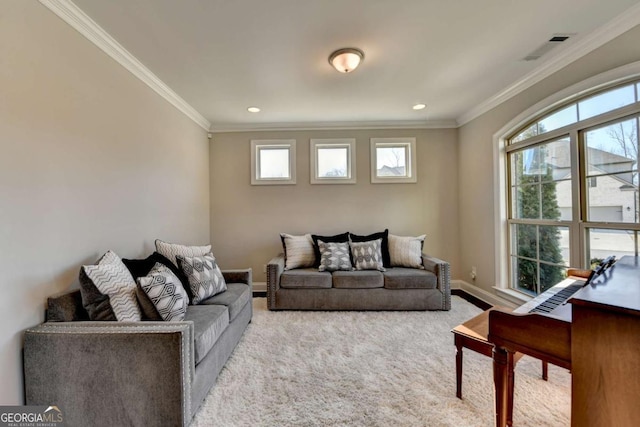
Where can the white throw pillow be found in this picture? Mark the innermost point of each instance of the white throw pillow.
(298, 251)
(406, 251)
(171, 250)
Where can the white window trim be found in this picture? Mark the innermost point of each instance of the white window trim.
(259, 144)
(411, 164)
(349, 144)
(576, 91)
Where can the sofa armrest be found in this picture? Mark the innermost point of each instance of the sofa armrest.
(442, 270)
(244, 275)
(275, 267)
(112, 373)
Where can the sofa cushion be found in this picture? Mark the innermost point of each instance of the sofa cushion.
(384, 235)
(338, 238)
(109, 291)
(406, 251)
(334, 256)
(305, 278)
(234, 298)
(365, 279)
(204, 276)
(298, 251)
(165, 292)
(409, 278)
(367, 255)
(209, 322)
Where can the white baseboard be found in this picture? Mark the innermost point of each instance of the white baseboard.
(259, 286)
(481, 294)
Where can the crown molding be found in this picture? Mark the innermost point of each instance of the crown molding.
(617, 26)
(81, 22)
(298, 126)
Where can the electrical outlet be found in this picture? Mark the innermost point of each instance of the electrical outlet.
(264, 268)
(473, 273)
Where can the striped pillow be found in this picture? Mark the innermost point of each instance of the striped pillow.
(109, 291)
(406, 251)
(298, 251)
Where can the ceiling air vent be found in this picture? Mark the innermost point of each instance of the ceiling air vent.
(552, 43)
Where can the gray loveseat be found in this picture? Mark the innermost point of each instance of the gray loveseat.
(148, 373)
(397, 288)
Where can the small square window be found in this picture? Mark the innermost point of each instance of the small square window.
(333, 161)
(393, 160)
(273, 162)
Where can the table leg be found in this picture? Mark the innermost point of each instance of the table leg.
(511, 381)
(501, 383)
(458, 368)
(545, 370)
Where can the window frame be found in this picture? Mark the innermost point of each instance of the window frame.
(409, 144)
(579, 225)
(257, 145)
(315, 145)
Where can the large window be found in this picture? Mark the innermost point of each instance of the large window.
(572, 177)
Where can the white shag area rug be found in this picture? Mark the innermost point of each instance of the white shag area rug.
(302, 368)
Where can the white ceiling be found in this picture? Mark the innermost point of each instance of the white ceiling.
(457, 56)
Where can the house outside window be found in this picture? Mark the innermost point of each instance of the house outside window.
(572, 179)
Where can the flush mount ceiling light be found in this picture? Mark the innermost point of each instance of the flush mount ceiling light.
(346, 60)
(253, 109)
(419, 107)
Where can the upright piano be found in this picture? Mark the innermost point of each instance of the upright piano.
(592, 330)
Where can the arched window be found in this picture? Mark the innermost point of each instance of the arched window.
(572, 187)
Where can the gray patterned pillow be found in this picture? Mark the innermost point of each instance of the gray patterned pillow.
(109, 291)
(204, 276)
(165, 292)
(334, 256)
(367, 255)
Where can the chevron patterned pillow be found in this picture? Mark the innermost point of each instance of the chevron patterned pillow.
(165, 292)
(204, 276)
(334, 256)
(108, 290)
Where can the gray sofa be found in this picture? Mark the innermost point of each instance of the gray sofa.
(147, 373)
(396, 288)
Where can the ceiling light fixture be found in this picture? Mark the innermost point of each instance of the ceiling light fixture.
(346, 60)
(419, 107)
(253, 109)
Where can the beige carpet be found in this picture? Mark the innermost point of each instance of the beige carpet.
(369, 369)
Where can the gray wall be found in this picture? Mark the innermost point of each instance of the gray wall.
(476, 153)
(246, 220)
(91, 159)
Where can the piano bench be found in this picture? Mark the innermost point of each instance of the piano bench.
(472, 334)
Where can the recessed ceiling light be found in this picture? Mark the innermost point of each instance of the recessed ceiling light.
(253, 109)
(419, 107)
